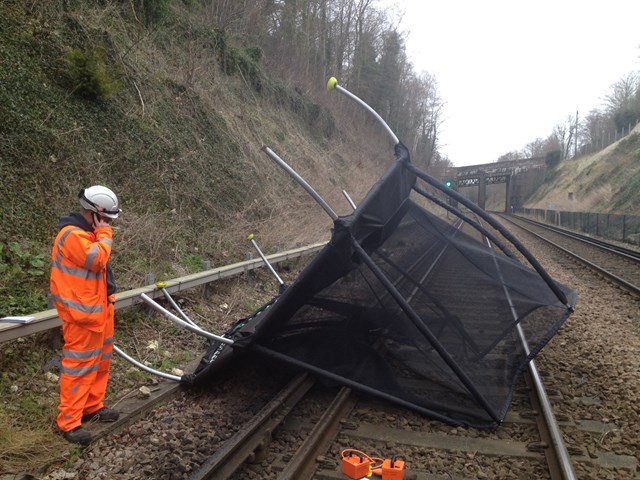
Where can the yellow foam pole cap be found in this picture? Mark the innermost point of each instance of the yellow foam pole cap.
(331, 84)
(250, 237)
(161, 284)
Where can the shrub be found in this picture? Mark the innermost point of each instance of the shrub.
(552, 159)
(155, 10)
(254, 53)
(89, 74)
(22, 279)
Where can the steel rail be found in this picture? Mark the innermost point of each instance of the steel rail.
(623, 251)
(559, 461)
(254, 435)
(611, 276)
(304, 462)
(49, 319)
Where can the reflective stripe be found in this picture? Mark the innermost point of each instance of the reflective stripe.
(108, 241)
(78, 372)
(108, 340)
(106, 356)
(78, 306)
(77, 272)
(65, 235)
(81, 355)
(91, 256)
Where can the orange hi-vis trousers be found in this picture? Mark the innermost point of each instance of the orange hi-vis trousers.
(86, 360)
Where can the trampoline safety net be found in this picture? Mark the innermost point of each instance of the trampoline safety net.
(403, 306)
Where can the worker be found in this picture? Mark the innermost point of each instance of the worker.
(83, 290)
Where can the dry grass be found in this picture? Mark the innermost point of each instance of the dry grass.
(595, 180)
(29, 441)
(24, 447)
(28, 408)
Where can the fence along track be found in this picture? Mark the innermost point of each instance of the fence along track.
(619, 267)
(628, 252)
(49, 319)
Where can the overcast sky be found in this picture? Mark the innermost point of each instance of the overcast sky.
(509, 71)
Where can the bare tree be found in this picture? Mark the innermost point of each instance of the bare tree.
(534, 149)
(304, 41)
(237, 16)
(510, 156)
(564, 133)
(624, 93)
(423, 113)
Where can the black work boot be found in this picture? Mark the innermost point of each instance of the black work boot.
(78, 435)
(103, 415)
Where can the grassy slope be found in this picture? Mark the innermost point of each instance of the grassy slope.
(607, 181)
(179, 141)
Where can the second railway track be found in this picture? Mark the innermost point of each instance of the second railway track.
(620, 264)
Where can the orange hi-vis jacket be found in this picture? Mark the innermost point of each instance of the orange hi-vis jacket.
(83, 291)
(79, 275)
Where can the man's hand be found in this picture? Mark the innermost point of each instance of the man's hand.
(99, 221)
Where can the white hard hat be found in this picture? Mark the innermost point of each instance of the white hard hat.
(101, 200)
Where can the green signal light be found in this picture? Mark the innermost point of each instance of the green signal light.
(448, 183)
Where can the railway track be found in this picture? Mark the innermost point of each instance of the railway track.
(525, 446)
(619, 264)
(307, 443)
(250, 426)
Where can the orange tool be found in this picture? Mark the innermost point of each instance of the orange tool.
(356, 466)
(393, 469)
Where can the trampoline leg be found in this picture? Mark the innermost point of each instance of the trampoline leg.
(178, 321)
(177, 308)
(142, 366)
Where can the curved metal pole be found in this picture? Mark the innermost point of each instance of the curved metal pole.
(495, 224)
(351, 202)
(333, 84)
(302, 182)
(182, 323)
(264, 259)
(178, 309)
(142, 366)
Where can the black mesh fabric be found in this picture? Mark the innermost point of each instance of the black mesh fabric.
(402, 305)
